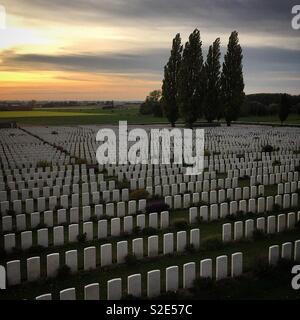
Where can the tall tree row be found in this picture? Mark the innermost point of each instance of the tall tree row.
(284, 107)
(190, 82)
(192, 89)
(170, 82)
(212, 91)
(232, 81)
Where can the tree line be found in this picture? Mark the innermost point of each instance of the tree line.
(193, 88)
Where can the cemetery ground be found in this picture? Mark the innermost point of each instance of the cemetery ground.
(246, 201)
(88, 115)
(250, 286)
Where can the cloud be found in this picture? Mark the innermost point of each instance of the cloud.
(148, 61)
(268, 15)
(139, 32)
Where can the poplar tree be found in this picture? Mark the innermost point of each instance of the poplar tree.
(232, 81)
(212, 75)
(284, 108)
(190, 84)
(170, 82)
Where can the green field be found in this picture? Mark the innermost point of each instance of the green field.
(76, 116)
(85, 116)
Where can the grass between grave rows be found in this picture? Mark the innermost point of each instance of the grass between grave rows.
(252, 250)
(209, 230)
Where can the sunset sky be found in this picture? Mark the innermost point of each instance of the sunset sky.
(116, 49)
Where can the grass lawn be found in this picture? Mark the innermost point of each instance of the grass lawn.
(76, 117)
(85, 116)
(212, 230)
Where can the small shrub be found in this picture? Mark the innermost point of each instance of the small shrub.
(202, 284)
(276, 207)
(245, 177)
(82, 237)
(258, 234)
(94, 218)
(157, 206)
(36, 249)
(80, 161)
(43, 164)
(54, 132)
(267, 148)
(10, 212)
(213, 244)
(149, 231)
(169, 295)
(206, 153)
(250, 214)
(139, 194)
(199, 220)
(180, 224)
(17, 251)
(136, 230)
(63, 271)
(157, 197)
(2, 253)
(202, 203)
(190, 248)
(41, 225)
(231, 217)
(123, 184)
(60, 148)
(240, 215)
(261, 267)
(131, 260)
(276, 163)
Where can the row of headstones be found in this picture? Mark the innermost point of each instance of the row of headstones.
(287, 252)
(169, 177)
(157, 179)
(22, 222)
(69, 234)
(34, 266)
(51, 182)
(288, 187)
(56, 190)
(258, 171)
(202, 185)
(179, 201)
(66, 202)
(153, 284)
(74, 168)
(112, 194)
(275, 178)
(245, 229)
(260, 205)
(76, 175)
(51, 173)
(236, 173)
(83, 170)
